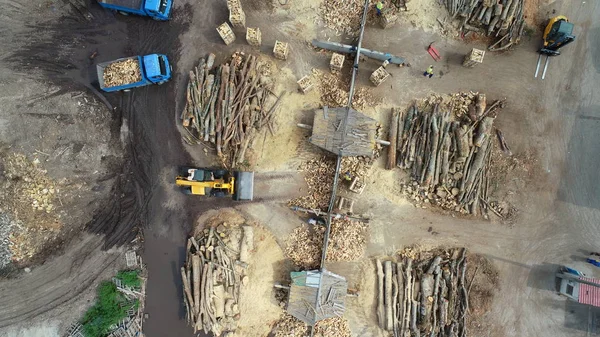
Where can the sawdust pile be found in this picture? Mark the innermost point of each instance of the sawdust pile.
(289, 326)
(30, 195)
(123, 72)
(333, 89)
(343, 16)
(347, 242)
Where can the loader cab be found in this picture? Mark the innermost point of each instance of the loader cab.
(158, 9)
(157, 68)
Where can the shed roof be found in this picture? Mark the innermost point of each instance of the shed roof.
(316, 295)
(351, 135)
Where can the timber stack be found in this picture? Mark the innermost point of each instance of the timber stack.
(213, 276)
(228, 105)
(502, 18)
(423, 297)
(446, 147)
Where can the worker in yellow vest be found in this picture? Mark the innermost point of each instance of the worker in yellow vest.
(428, 72)
(379, 7)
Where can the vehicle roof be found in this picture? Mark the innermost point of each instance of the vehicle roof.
(151, 65)
(589, 294)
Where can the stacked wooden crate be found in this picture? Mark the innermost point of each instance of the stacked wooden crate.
(337, 62)
(388, 19)
(237, 17)
(281, 50)
(226, 33)
(379, 76)
(305, 84)
(253, 36)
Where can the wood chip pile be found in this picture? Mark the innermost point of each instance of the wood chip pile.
(214, 273)
(319, 175)
(122, 72)
(227, 106)
(343, 16)
(426, 296)
(446, 143)
(334, 91)
(504, 19)
(347, 242)
(289, 326)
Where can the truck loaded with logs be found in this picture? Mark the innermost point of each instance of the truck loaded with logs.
(132, 72)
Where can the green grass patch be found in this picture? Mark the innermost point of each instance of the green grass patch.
(111, 306)
(130, 278)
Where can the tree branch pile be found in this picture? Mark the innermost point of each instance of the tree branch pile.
(425, 296)
(227, 106)
(445, 144)
(213, 275)
(503, 18)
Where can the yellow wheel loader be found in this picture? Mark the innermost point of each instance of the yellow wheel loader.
(216, 183)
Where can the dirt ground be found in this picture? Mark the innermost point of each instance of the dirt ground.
(553, 122)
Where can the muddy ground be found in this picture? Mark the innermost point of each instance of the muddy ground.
(50, 46)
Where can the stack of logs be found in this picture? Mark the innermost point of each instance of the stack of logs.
(226, 106)
(423, 298)
(448, 155)
(505, 17)
(214, 272)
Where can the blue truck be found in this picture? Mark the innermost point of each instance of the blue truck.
(132, 72)
(156, 9)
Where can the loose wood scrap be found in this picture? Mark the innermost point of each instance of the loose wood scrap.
(227, 106)
(438, 308)
(445, 143)
(504, 18)
(123, 72)
(213, 277)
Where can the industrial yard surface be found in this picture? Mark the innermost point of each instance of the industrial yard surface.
(457, 197)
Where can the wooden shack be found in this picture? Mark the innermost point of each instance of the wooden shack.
(351, 136)
(316, 295)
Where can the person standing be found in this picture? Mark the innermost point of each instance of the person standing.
(379, 7)
(429, 72)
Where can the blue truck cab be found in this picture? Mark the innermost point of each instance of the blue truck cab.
(154, 69)
(156, 9)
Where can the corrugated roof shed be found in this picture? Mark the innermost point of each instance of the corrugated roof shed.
(316, 295)
(351, 136)
(589, 294)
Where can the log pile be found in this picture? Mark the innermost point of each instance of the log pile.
(503, 18)
(228, 105)
(213, 275)
(347, 242)
(446, 146)
(423, 297)
(122, 72)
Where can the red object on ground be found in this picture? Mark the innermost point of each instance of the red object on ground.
(434, 53)
(589, 294)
